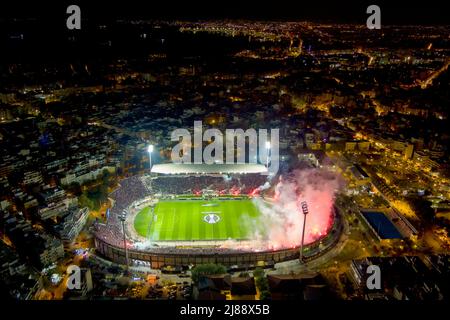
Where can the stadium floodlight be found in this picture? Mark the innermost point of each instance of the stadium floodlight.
(150, 149)
(304, 207)
(268, 153)
(122, 218)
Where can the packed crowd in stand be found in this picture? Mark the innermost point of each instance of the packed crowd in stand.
(130, 190)
(134, 188)
(198, 250)
(238, 184)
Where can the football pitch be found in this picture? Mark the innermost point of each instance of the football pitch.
(198, 219)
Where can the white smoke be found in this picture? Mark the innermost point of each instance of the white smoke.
(263, 187)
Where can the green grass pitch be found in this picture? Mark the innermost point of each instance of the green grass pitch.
(184, 220)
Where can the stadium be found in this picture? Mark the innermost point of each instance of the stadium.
(237, 215)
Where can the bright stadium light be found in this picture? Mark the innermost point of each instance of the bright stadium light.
(304, 207)
(268, 153)
(150, 149)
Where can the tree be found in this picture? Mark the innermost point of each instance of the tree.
(103, 193)
(75, 188)
(205, 270)
(258, 272)
(105, 176)
(265, 295)
(262, 283)
(84, 201)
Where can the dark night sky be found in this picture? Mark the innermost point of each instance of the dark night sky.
(352, 11)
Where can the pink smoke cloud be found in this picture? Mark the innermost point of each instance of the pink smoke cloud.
(283, 220)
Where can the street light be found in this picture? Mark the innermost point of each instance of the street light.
(150, 150)
(305, 211)
(268, 153)
(122, 218)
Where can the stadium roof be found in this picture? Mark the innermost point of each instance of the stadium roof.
(184, 168)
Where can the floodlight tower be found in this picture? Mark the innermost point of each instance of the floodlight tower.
(305, 211)
(268, 154)
(122, 218)
(150, 149)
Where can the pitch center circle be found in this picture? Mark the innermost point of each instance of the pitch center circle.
(211, 218)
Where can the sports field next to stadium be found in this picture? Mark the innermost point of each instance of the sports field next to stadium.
(186, 219)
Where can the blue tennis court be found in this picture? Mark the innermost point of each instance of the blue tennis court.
(382, 225)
